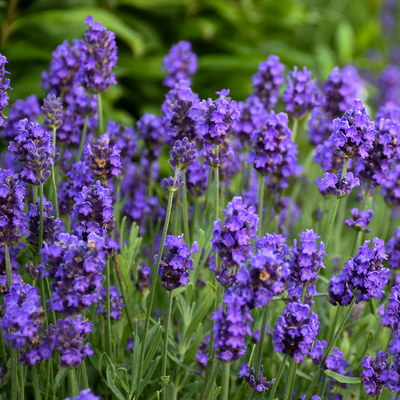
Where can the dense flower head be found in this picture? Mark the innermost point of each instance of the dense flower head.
(176, 263)
(389, 111)
(33, 148)
(363, 276)
(393, 249)
(268, 81)
(22, 323)
(341, 87)
(391, 376)
(12, 195)
(197, 178)
(230, 328)
(216, 118)
(306, 259)
(171, 184)
(391, 316)
(234, 160)
(336, 362)
(335, 185)
(176, 108)
(274, 151)
(301, 95)
(390, 187)
(99, 57)
(231, 240)
(4, 86)
(319, 126)
(218, 158)
(76, 266)
(295, 331)
(259, 385)
(85, 394)
(353, 134)
(68, 337)
(360, 220)
(115, 303)
(93, 210)
(151, 130)
(317, 351)
(52, 111)
(329, 161)
(389, 85)
(180, 64)
(52, 226)
(104, 160)
(183, 153)
(124, 138)
(28, 108)
(373, 377)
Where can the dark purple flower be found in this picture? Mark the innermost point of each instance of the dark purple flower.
(180, 64)
(295, 331)
(4, 86)
(389, 111)
(319, 126)
(391, 376)
(124, 138)
(317, 351)
(14, 267)
(259, 385)
(151, 131)
(130, 344)
(332, 184)
(144, 278)
(390, 187)
(197, 178)
(389, 85)
(391, 316)
(99, 57)
(85, 394)
(336, 362)
(360, 220)
(364, 276)
(52, 111)
(393, 249)
(183, 154)
(373, 377)
(329, 161)
(176, 262)
(172, 185)
(115, 303)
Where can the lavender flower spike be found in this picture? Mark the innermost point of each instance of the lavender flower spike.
(183, 154)
(360, 220)
(4, 86)
(335, 185)
(259, 385)
(52, 111)
(115, 303)
(391, 316)
(373, 373)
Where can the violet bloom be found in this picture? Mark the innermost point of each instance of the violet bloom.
(268, 80)
(301, 95)
(176, 262)
(337, 186)
(259, 385)
(353, 134)
(67, 338)
(52, 226)
(317, 351)
(124, 138)
(373, 373)
(306, 259)
(14, 267)
(180, 64)
(364, 274)
(393, 249)
(33, 148)
(176, 108)
(337, 363)
(389, 85)
(12, 195)
(28, 108)
(319, 126)
(275, 154)
(389, 111)
(4, 86)
(295, 331)
(391, 376)
(104, 160)
(52, 111)
(360, 220)
(22, 323)
(93, 211)
(391, 316)
(99, 57)
(151, 131)
(76, 266)
(130, 344)
(144, 278)
(183, 154)
(85, 394)
(197, 178)
(171, 185)
(390, 187)
(230, 328)
(115, 303)
(329, 161)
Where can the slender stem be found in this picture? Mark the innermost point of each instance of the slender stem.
(294, 129)
(397, 396)
(278, 378)
(41, 214)
(260, 204)
(108, 310)
(153, 285)
(207, 196)
(53, 175)
(291, 379)
(36, 386)
(35, 193)
(83, 138)
(100, 113)
(84, 375)
(216, 187)
(185, 212)
(74, 382)
(210, 381)
(323, 388)
(226, 366)
(165, 352)
(260, 345)
(8, 265)
(21, 382)
(366, 196)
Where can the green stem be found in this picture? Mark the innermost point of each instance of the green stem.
(185, 212)
(397, 396)
(100, 113)
(165, 351)
(207, 196)
(36, 386)
(74, 382)
(84, 376)
(8, 265)
(83, 138)
(260, 345)
(108, 310)
(35, 193)
(278, 378)
(291, 379)
(226, 366)
(41, 214)
(216, 187)
(323, 388)
(260, 204)
(294, 129)
(153, 285)
(54, 175)
(211, 379)
(21, 382)
(366, 196)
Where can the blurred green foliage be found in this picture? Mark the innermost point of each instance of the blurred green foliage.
(230, 36)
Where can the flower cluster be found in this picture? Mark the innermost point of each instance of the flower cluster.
(85, 394)
(183, 154)
(4, 86)
(151, 131)
(373, 373)
(259, 385)
(360, 220)
(124, 138)
(175, 264)
(14, 267)
(389, 84)
(390, 187)
(319, 126)
(363, 276)
(391, 376)
(115, 303)
(393, 249)
(197, 178)
(52, 111)
(391, 316)
(335, 185)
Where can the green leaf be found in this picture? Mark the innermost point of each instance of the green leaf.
(110, 373)
(149, 374)
(194, 347)
(342, 378)
(151, 351)
(181, 364)
(190, 394)
(61, 374)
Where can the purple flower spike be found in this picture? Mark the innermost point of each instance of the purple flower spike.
(170, 184)
(14, 268)
(319, 126)
(124, 138)
(151, 131)
(4, 86)
(353, 134)
(197, 178)
(334, 185)
(364, 274)
(180, 64)
(175, 264)
(115, 303)
(390, 187)
(85, 394)
(360, 220)
(52, 111)
(183, 154)
(389, 85)
(391, 377)
(373, 373)
(259, 385)
(393, 249)
(317, 351)
(268, 81)
(99, 57)
(295, 331)
(391, 316)
(306, 259)
(336, 362)
(389, 111)
(301, 95)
